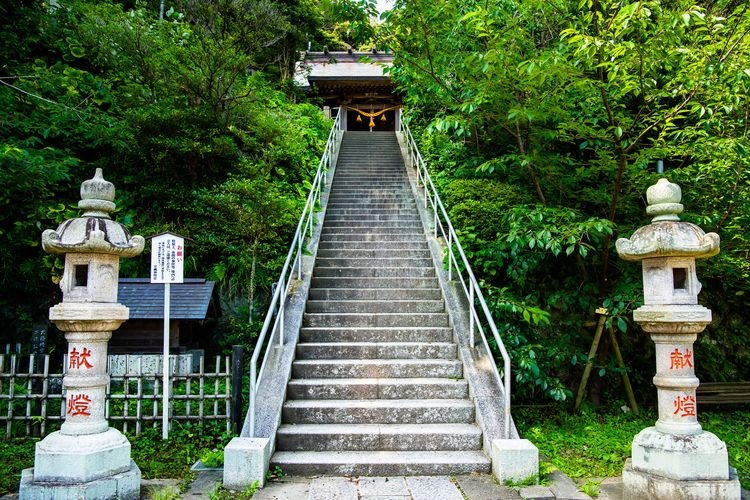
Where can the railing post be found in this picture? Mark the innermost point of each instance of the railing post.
(310, 220)
(237, 358)
(435, 212)
(299, 256)
(450, 256)
(251, 395)
(471, 314)
(282, 303)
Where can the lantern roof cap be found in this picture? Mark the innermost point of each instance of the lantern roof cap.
(667, 236)
(94, 231)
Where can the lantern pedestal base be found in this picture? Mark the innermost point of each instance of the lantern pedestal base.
(637, 484)
(679, 466)
(64, 458)
(680, 457)
(123, 486)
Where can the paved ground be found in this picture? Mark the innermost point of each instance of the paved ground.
(471, 487)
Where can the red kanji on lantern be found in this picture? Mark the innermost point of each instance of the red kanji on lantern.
(678, 360)
(685, 406)
(78, 404)
(80, 359)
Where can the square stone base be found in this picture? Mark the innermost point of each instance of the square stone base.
(692, 457)
(636, 484)
(246, 461)
(123, 486)
(67, 458)
(514, 460)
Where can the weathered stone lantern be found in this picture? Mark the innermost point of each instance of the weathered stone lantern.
(86, 458)
(675, 458)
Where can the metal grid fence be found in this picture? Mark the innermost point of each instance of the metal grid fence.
(32, 395)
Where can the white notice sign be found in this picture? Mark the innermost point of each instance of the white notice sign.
(167, 258)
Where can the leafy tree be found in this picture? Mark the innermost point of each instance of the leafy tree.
(348, 23)
(574, 102)
(183, 120)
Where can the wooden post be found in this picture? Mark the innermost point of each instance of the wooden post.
(237, 373)
(625, 378)
(602, 312)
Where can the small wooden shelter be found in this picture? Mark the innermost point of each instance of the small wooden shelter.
(355, 82)
(194, 309)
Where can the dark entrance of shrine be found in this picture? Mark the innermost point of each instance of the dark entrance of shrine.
(386, 122)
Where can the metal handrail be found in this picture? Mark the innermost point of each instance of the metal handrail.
(469, 284)
(293, 263)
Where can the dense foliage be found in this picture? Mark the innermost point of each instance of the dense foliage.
(542, 120)
(190, 116)
(564, 108)
(595, 444)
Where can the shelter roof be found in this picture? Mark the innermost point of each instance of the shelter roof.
(188, 300)
(349, 66)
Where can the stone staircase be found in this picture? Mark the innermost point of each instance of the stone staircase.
(376, 386)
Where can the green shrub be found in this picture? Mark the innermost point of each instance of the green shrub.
(213, 458)
(483, 190)
(479, 204)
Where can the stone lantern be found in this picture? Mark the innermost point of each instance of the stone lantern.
(86, 458)
(675, 458)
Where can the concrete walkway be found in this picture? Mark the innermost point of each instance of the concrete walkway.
(471, 487)
(465, 487)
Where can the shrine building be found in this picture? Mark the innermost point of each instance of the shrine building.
(355, 83)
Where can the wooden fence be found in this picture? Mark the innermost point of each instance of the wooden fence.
(32, 395)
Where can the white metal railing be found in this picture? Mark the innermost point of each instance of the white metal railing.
(469, 284)
(275, 317)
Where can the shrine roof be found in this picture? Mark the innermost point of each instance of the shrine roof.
(320, 66)
(188, 300)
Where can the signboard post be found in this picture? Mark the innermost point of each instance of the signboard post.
(167, 263)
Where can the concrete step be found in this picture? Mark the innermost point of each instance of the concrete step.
(394, 177)
(373, 282)
(391, 261)
(375, 189)
(375, 319)
(373, 231)
(378, 411)
(375, 437)
(374, 224)
(381, 191)
(370, 217)
(372, 195)
(378, 388)
(374, 272)
(390, 246)
(374, 181)
(374, 294)
(384, 171)
(374, 253)
(376, 368)
(376, 350)
(376, 334)
(370, 205)
(380, 237)
(375, 306)
(381, 463)
(369, 200)
(380, 213)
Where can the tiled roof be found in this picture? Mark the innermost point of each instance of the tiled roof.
(188, 300)
(342, 66)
